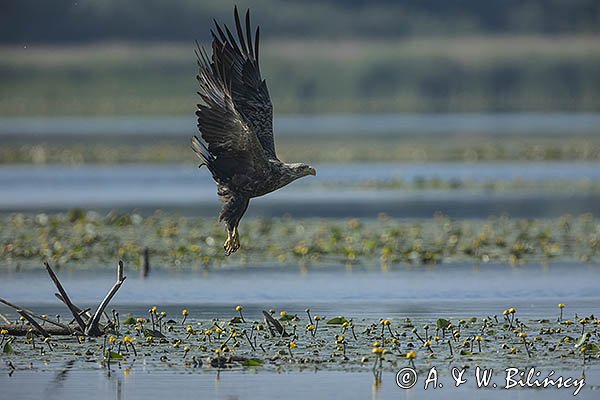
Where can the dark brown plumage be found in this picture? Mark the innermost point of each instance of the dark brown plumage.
(235, 120)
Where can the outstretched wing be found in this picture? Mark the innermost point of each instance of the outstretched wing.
(239, 60)
(238, 155)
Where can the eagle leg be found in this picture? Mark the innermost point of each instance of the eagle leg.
(232, 243)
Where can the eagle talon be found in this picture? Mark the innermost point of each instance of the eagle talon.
(232, 243)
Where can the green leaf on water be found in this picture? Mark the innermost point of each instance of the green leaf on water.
(288, 317)
(592, 348)
(235, 320)
(253, 362)
(465, 353)
(566, 339)
(153, 333)
(113, 356)
(8, 349)
(442, 323)
(129, 321)
(337, 320)
(582, 340)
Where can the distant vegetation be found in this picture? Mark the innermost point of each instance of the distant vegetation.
(26, 21)
(311, 148)
(492, 73)
(354, 56)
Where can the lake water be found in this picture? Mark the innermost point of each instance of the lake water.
(360, 124)
(332, 193)
(451, 291)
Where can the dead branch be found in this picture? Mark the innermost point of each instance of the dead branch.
(34, 323)
(3, 318)
(92, 328)
(81, 312)
(65, 297)
(40, 317)
(23, 330)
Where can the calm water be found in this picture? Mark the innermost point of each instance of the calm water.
(400, 292)
(232, 385)
(451, 291)
(192, 191)
(396, 124)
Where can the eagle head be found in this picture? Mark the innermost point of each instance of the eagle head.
(299, 170)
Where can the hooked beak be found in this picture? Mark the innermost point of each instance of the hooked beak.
(312, 171)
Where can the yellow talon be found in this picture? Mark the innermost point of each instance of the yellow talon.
(232, 243)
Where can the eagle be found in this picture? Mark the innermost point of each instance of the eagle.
(235, 120)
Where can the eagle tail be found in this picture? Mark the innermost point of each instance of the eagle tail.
(202, 152)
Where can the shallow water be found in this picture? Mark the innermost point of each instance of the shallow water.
(451, 291)
(403, 291)
(230, 385)
(403, 124)
(186, 189)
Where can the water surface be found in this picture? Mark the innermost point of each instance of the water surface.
(332, 193)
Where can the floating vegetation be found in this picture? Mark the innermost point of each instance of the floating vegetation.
(284, 340)
(86, 238)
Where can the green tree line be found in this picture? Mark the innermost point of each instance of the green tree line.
(23, 21)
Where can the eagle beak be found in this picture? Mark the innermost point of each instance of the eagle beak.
(312, 171)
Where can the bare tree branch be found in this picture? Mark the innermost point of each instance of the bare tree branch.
(65, 297)
(92, 328)
(32, 314)
(34, 323)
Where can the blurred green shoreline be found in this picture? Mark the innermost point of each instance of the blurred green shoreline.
(310, 148)
(422, 74)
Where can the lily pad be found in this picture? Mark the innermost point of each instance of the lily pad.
(113, 356)
(253, 362)
(582, 340)
(442, 323)
(8, 349)
(288, 317)
(153, 333)
(337, 320)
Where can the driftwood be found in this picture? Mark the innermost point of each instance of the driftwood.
(23, 330)
(86, 323)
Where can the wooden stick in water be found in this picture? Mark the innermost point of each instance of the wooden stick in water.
(93, 329)
(34, 323)
(65, 297)
(30, 313)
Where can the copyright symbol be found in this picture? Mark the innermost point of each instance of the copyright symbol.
(406, 378)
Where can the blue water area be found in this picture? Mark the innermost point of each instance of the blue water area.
(332, 193)
(449, 290)
(353, 124)
(124, 383)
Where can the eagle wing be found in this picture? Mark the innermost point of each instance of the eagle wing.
(239, 59)
(235, 154)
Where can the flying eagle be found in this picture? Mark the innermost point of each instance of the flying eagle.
(235, 120)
